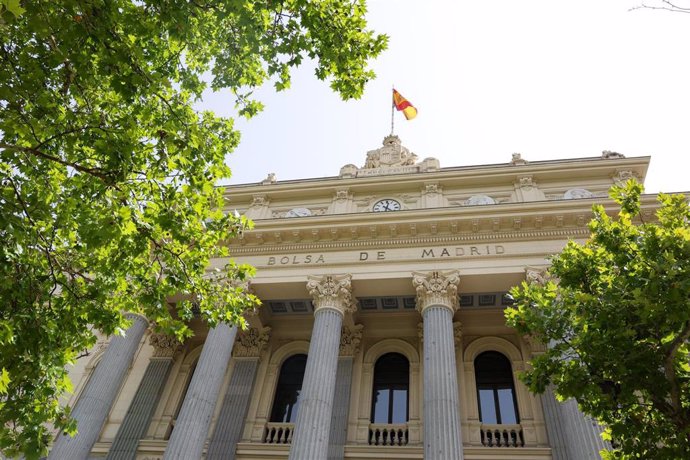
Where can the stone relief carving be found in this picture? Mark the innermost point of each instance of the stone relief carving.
(259, 200)
(350, 339)
(431, 189)
(624, 175)
(526, 182)
(342, 194)
(436, 288)
(576, 193)
(250, 343)
(457, 333)
(536, 275)
(164, 345)
(476, 200)
(391, 158)
(420, 332)
(332, 291)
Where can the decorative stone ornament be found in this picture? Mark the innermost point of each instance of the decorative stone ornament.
(250, 343)
(535, 275)
(436, 288)
(457, 333)
(350, 339)
(332, 291)
(164, 345)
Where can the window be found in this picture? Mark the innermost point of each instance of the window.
(391, 387)
(495, 389)
(286, 401)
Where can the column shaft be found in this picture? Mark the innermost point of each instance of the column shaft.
(310, 441)
(341, 405)
(93, 406)
(191, 428)
(583, 434)
(230, 422)
(442, 438)
(141, 409)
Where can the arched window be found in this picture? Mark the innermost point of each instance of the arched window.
(286, 401)
(391, 388)
(495, 389)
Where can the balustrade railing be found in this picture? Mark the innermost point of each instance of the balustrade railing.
(278, 433)
(502, 436)
(383, 434)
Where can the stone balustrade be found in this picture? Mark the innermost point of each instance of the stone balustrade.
(384, 434)
(501, 435)
(278, 433)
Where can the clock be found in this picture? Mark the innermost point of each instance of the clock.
(386, 205)
(298, 212)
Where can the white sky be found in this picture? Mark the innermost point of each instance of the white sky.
(547, 78)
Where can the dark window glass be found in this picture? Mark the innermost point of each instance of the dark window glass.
(286, 402)
(391, 387)
(495, 389)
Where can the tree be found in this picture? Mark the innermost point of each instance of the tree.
(617, 321)
(107, 173)
(666, 5)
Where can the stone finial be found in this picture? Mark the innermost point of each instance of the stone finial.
(250, 343)
(436, 288)
(164, 345)
(517, 159)
(270, 179)
(332, 291)
(609, 155)
(350, 339)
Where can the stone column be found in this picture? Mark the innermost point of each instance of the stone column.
(191, 429)
(93, 406)
(332, 298)
(349, 346)
(437, 301)
(233, 413)
(138, 416)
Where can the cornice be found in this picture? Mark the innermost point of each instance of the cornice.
(285, 248)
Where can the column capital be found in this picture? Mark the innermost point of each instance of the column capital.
(164, 345)
(333, 292)
(436, 288)
(538, 275)
(250, 343)
(350, 339)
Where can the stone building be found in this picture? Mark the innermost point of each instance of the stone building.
(382, 332)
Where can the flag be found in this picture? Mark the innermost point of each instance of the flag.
(404, 105)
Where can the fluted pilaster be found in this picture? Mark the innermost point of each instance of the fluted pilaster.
(95, 402)
(233, 412)
(146, 398)
(437, 301)
(191, 429)
(332, 297)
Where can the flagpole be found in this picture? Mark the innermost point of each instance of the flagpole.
(392, 113)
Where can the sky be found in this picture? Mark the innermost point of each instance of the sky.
(550, 79)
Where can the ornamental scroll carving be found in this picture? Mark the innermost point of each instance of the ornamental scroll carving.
(164, 345)
(332, 291)
(250, 343)
(350, 339)
(436, 288)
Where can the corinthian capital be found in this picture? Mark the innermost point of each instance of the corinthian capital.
(436, 288)
(251, 342)
(332, 291)
(350, 339)
(164, 346)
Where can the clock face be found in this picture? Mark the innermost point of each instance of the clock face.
(386, 205)
(298, 212)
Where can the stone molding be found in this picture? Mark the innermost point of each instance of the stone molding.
(350, 339)
(332, 291)
(251, 343)
(164, 345)
(436, 288)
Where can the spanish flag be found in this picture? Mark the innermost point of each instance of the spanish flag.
(404, 105)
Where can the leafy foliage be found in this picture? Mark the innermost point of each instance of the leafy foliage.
(107, 173)
(618, 322)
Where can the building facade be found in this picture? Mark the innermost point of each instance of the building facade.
(381, 333)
